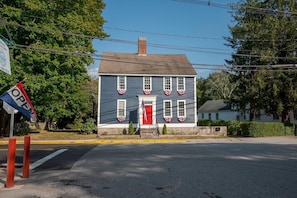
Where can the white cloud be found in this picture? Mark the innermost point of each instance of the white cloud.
(92, 71)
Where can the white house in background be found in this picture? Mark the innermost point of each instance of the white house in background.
(220, 110)
(293, 117)
(217, 110)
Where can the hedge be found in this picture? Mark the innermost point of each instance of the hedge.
(252, 129)
(264, 129)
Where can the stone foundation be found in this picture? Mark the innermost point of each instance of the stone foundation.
(199, 130)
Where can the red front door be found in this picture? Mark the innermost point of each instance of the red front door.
(147, 117)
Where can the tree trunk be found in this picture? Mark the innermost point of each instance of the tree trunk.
(252, 114)
(286, 116)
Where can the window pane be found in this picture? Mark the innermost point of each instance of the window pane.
(122, 82)
(181, 108)
(180, 83)
(167, 83)
(167, 109)
(147, 83)
(121, 112)
(121, 108)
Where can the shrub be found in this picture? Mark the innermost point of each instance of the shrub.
(89, 126)
(219, 123)
(233, 126)
(77, 124)
(204, 122)
(21, 128)
(264, 129)
(164, 130)
(131, 128)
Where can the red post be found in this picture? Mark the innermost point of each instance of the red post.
(26, 157)
(10, 163)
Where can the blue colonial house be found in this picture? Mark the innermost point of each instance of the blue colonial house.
(147, 90)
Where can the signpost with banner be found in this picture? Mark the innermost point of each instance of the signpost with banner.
(4, 58)
(10, 110)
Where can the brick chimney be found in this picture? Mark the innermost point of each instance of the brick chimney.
(141, 46)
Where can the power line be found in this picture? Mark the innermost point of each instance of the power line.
(165, 34)
(10, 41)
(237, 6)
(154, 45)
(97, 57)
(192, 49)
(207, 3)
(127, 60)
(182, 48)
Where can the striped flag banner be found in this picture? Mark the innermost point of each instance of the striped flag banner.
(18, 99)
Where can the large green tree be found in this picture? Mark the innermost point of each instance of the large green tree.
(264, 42)
(51, 46)
(216, 86)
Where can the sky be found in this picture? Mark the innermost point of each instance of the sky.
(192, 27)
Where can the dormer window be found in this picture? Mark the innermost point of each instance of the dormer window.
(181, 85)
(122, 85)
(167, 85)
(147, 85)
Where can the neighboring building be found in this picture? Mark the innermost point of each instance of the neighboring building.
(221, 110)
(147, 90)
(217, 110)
(293, 117)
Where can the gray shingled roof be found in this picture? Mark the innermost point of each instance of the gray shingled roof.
(151, 64)
(214, 106)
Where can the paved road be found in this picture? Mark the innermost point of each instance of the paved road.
(206, 169)
(37, 152)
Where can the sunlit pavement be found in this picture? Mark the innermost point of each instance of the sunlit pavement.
(213, 167)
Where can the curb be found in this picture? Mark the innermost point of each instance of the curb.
(102, 141)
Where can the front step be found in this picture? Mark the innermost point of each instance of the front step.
(149, 133)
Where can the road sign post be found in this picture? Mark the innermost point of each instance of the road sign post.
(10, 163)
(26, 157)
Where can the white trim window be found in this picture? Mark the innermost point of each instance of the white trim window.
(167, 110)
(181, 110)
(147, 85)
(122, 84)
(121, 110)
(167, 85)
(180, 85)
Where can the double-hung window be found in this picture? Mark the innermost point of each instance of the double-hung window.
(181, 85)
(122, 84)
(147, 85)
(167, 85)
(181, 110)
(121, 110)
(167, 110)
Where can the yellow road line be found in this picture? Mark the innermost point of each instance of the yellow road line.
(103, 141)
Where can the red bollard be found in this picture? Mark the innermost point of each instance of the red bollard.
(26, 157)
(10, 163)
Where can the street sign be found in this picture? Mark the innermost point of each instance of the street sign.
(9, 109)
(4, 58)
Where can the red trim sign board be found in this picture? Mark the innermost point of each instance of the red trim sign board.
(4, 58)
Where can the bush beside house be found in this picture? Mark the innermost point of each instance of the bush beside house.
(252, 129)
